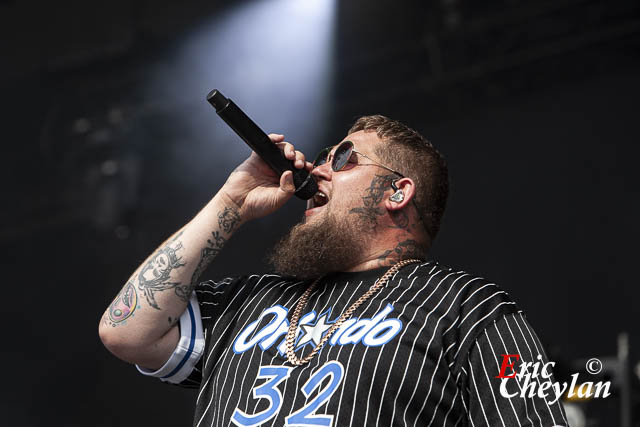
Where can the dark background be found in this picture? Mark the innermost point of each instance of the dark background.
(109, 147)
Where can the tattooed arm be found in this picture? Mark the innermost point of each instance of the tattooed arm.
(139, 325)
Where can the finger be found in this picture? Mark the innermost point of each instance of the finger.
(300, 160)
(288, 150)
(286, 182)
(276, 137)
(308, 166)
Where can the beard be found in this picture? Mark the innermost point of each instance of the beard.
(315, 248)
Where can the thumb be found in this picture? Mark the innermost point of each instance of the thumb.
(286, 182)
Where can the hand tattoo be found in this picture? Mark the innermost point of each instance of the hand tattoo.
(123, 306)
(406, 249)
(372, 198)
(155, 274)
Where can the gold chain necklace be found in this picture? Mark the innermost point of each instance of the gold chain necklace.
(302, 303)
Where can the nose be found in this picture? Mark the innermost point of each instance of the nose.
(323, 171)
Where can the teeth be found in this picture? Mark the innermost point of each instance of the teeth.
(321, 194)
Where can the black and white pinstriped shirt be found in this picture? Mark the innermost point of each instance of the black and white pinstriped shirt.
(425, 350)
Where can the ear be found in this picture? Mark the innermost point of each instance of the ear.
(406, 190)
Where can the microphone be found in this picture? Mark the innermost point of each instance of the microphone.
(259, 142)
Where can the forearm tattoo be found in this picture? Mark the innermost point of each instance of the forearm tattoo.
(372, 198)
(406, 249)
(155, 275)
(122, 307)
(208, 253)
(228, 219)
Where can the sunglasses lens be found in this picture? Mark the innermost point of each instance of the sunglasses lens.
(342, 155)
(321, 158)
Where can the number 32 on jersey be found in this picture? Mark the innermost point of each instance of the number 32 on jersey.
(304, 416)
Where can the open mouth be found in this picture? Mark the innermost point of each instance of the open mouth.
(318, 200)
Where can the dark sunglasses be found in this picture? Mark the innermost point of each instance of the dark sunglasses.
(341, 157)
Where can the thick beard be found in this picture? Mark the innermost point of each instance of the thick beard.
(319, 247)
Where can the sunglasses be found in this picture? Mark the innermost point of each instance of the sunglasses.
(342, 156)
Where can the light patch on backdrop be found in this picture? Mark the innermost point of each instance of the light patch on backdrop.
(273, 58)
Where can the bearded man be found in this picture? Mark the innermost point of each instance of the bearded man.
(356, 327)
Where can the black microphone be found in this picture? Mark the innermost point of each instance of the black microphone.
(259, 142)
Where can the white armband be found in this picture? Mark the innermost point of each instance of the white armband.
(189, 349)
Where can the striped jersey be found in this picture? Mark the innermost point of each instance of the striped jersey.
(424, 350)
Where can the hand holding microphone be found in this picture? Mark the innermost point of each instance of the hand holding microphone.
(273, 172)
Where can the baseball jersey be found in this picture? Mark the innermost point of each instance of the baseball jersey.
(424, 350)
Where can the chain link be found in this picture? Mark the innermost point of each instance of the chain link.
(302, 303)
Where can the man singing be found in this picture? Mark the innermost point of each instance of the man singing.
(356, 327)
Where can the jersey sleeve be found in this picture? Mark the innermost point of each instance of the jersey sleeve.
(212, 304)
(489, 404)
(182, 366)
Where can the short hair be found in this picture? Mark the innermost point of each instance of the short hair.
(411, 154)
